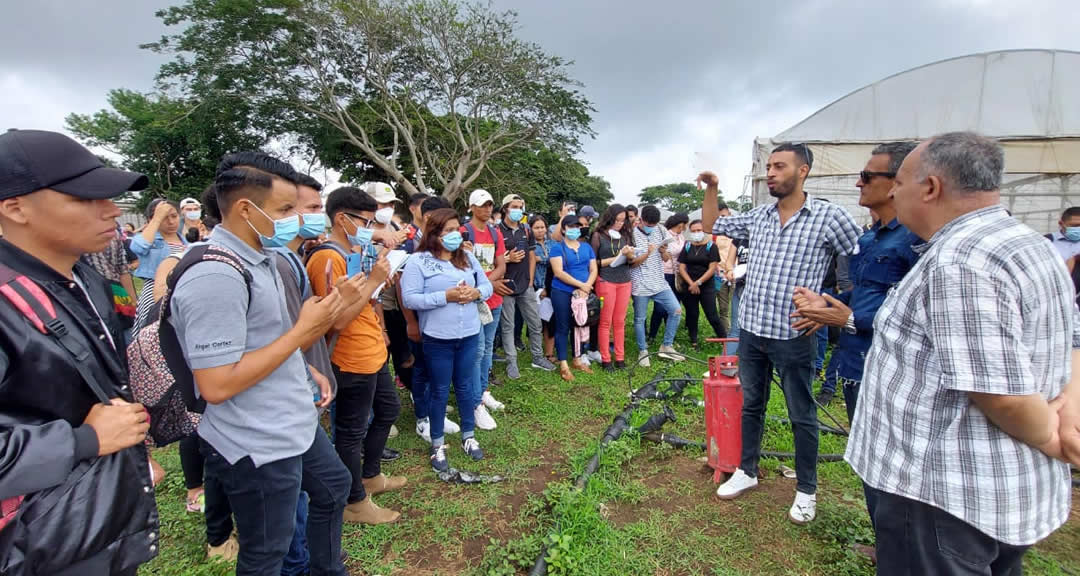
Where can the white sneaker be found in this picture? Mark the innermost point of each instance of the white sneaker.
(484, 421)
(595, 356)
(491, 403)
(643, 359)
(804, 509)
(449, 427)
(423, 429)
(738, 483)
(669, 353)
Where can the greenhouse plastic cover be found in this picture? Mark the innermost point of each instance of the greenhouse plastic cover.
(1025, 98)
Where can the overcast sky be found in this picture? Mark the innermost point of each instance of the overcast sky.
(676, 84)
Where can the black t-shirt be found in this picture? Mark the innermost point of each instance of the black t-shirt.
(698, 258)
(742, 256)
(519, 239)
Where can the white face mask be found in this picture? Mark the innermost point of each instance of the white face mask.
(614, 234)
(193, 215)
(384, 215)
(697, 237)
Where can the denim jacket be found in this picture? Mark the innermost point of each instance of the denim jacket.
(883, 258)
(150, 255)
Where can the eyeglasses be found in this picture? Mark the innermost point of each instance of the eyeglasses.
(866, 176)
(365, 221)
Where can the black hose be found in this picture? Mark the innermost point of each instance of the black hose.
(657, 421)
(678, 442)
(618, 426)
(821, 425)
(791, 456)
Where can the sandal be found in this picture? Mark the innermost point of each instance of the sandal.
(198, 503)
(566, 374)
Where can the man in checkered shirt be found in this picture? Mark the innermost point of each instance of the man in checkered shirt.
(794, 242)
(957, 426)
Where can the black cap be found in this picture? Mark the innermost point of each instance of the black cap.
(570, 220)
(34, 159)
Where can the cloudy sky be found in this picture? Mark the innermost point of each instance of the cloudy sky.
(677, 85)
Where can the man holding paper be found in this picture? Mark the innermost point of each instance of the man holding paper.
(359, 358)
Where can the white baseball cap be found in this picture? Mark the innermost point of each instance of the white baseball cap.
(381, 192)
(479, 197)
(510, 198)
(189, 202)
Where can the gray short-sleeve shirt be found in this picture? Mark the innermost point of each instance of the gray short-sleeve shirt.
(276, 418)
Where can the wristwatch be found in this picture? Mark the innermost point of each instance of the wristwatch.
(849, 326)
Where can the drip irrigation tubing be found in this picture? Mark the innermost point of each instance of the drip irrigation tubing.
(651, 431)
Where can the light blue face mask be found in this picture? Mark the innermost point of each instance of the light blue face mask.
(362, 236)
(313, 226)
(1073, 233)
(452, 240)
(516, 214)
(573, 233)
(285, 230)
(648, 230)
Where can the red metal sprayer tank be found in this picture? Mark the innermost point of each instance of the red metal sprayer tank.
(723, 412)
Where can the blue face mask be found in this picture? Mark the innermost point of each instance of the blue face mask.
(452, 240)
(285, 230)
(314, 225)
(648, 230)
(516, 214)
(362, 236)
(1073, 234)
(573, 233)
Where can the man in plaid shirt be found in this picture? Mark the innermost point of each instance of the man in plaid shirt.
(958, 425)
(794, 242)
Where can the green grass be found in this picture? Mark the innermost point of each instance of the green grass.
(649, 510)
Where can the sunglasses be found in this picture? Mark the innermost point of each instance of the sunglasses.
(866, 176)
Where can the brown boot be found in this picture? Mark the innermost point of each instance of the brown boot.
(566, 374)
(383, 483)
(579, 365)
(228, 550)
(367, 512)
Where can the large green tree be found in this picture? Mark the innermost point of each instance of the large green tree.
(680, 197)
(430, 92)
(176, 142)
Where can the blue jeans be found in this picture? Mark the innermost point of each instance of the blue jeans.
(484, 351)
(264, 501)
(732, 348)
(658, 315)
(669, 303)
(298, 561)
(561, 323)
(449, 361)
(822, 345)
(419, 380)
(830, 378)
(794, 360)
(851, 399)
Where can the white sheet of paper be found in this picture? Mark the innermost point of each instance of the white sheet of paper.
(618, 261)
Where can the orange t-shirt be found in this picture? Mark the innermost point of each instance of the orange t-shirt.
(360, 346)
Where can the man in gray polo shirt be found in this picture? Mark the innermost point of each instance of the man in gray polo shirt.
(259, 431)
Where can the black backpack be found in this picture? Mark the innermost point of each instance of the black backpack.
(160, 377)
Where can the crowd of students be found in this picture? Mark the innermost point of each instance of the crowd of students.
(284, 306)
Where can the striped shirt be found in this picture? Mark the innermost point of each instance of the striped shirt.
(785, 257)
(988, 308)
(648, 278)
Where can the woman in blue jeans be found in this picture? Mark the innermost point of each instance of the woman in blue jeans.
(442, 284)
(573, 265)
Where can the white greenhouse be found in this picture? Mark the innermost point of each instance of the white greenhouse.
(1028, 99)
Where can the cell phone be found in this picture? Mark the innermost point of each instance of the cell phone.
(511, 284)
(355, 264)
